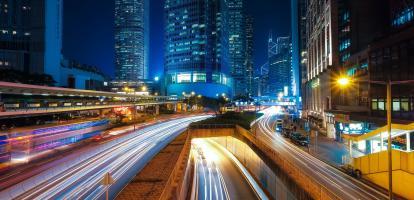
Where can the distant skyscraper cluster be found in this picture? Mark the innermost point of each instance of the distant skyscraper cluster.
(275, 77)
(132, 40)
(280, 68)
(205, 47)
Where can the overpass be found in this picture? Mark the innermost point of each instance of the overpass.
(27, 100)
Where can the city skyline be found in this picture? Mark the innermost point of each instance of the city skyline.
(99, 51)
(225, 102)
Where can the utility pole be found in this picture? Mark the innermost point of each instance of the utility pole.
(389, 122)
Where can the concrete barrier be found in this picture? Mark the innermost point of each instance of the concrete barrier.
(179, 182)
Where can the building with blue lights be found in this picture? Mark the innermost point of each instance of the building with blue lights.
(31, 43)
(196, 48)
(31, 36)
(237, 45)
(280, 69)
(299, 51)
(131, 39)
(249, 55)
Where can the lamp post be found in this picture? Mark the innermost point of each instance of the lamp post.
(345, 81)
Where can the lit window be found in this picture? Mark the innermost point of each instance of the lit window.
(381, 104)
(404, 17)
(374, 104)
(396, 105)
(184, 78)
(405, 105)
(199, 77)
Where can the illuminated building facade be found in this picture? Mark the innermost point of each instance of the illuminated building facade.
(237, 45)
(280, 68)
(196, 48)
(299, 51)
(249, 55)
(322, 56)
(131, 39)
(31, 36)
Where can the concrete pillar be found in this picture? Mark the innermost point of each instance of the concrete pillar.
(350, 150)
(408, 139)
(157, 109)
(101, 113)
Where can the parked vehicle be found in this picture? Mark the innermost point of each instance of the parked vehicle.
(279, 128)
(286, 132)
(279, 125)
(299, 139)
(349, 169)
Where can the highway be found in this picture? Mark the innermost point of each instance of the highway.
(341, 184)
(80, 175)
(219, 176)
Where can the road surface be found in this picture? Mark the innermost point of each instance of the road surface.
(218, 176)
(339, 183)
(80, 175)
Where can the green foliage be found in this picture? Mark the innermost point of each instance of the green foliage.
(242, 119)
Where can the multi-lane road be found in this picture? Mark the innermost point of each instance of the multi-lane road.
(219, 175)
(80, 174)
(339, 183)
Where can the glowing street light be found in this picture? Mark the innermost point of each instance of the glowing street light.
(144, 88)
(343, 81)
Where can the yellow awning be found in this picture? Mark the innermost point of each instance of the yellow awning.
(404, 127)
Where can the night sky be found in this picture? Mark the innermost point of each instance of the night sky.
(88, 34)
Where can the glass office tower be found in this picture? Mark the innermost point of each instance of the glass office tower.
(196, 48)
(237, 45)
(131, 39)
(31, 36)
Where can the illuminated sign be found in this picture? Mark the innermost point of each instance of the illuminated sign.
(352, 128)
(315, 83)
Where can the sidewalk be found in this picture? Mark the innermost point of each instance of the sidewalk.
(327, 149)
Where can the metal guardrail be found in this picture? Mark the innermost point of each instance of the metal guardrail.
(211, 126)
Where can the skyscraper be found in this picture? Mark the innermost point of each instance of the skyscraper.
(271, 46)
(31, 36)
(249, 54)
(131, 39)
(237, 45)
(196, 47)
(298, 26)
(280, 68)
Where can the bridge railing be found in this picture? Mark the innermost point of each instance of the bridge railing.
(211, 126)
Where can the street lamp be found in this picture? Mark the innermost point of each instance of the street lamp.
(345, 81)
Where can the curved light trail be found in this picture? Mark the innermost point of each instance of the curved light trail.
(333, 179)
(219, 175)
(81, 178)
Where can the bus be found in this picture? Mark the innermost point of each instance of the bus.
(25, 144)
(5, 155)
